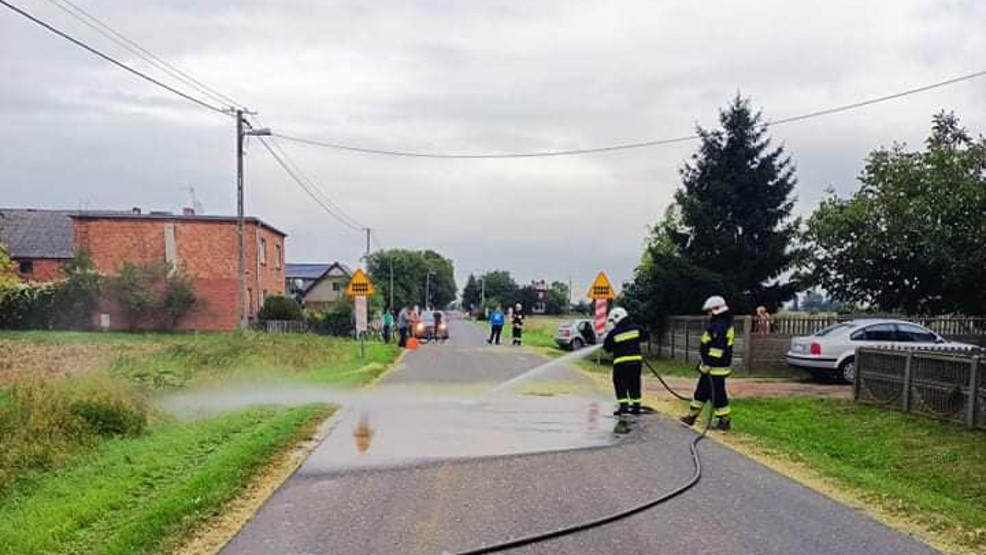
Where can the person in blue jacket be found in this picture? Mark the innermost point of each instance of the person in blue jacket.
(496, 326)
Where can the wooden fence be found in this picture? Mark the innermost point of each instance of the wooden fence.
(946, 386)
(764, 352)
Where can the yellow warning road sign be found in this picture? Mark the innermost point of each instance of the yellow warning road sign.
(360, 285)
(601, 288)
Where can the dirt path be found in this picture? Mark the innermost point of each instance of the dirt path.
(752, 387)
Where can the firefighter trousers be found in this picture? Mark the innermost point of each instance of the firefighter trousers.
(626, 382)
(711, 388)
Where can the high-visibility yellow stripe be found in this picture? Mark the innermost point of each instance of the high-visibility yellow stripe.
(623, 400)
(731, 335)
(695, 405)
(724, 411)
(721, 371)
(715, 353)
(706, 337)
(627, 336)
(629, 358)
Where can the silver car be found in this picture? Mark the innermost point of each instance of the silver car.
(575, 334)
(831, 351)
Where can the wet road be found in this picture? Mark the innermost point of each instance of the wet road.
(450, 475)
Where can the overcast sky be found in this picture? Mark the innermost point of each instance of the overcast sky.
(458, 76)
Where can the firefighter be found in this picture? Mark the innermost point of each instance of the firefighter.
(717, 355)
(624, 341)
(517, 322)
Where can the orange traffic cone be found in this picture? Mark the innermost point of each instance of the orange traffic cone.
(412, 344)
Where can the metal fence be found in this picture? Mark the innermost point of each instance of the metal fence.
(946, 386)
(284, 326)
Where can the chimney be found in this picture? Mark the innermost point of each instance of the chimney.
(187, 211)
(135, 210)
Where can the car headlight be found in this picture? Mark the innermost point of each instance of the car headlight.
(421, 327)
(441, 327)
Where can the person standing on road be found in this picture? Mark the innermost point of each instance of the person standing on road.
(717, 355)
(624, 340)
(388, 324)
(496, 326)
(517, 324)
(403, 321)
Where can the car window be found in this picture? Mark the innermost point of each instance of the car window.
(876, 332)
(915, 333)
(831, 329)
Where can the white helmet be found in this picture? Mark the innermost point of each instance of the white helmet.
(716, 304)
(617, 315)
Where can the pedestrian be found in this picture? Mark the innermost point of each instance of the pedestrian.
(496, 326)
(764, 323)
(517, 324)
(716, 350)
(388, 324)
(403, 321)
(624, 340)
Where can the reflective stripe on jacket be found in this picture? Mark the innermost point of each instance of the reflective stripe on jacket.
(717, 344)
(624, 342)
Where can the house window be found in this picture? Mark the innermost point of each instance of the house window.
(27, 267)
(263, 251)
(278, 260)
(336, 286)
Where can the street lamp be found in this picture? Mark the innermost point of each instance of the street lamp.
(428, 289)
(243, 129)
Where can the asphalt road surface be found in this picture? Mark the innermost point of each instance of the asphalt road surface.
(436, 466)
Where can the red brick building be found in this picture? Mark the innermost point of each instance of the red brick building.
(203, 246)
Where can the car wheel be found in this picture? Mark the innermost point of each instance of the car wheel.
(576, 344)
(847, 370)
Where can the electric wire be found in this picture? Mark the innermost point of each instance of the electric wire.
(312, 192)
(94, 23)
(112, 60)
(611, 518)
(625, 146)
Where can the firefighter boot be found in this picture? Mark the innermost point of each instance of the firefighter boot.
(635, 408)
(623, 409)
(689, 419)
(724, 424)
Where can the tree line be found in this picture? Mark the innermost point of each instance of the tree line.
(908, 240)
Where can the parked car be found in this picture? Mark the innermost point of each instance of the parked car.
(425, 330)
(575, 334)
(831, 352)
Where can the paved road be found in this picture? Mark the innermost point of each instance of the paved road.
(517, 464)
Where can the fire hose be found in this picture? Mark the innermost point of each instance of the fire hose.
(611, 518)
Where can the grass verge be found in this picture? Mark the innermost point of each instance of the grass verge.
(914, 470)
(143, 495)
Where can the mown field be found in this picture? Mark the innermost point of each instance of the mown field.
(88, 464)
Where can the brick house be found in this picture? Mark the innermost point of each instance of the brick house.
(203, 246)
(317, 285)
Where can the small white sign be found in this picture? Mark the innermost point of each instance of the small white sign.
(104, 321)
(361, 324)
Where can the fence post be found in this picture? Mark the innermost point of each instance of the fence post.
(671, 326)
(687, 339)
(858, 375)
(907, 381)
(748, 343)
(973, 397)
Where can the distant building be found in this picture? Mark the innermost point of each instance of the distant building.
(541, 290)
(204, 247)
(317, 285)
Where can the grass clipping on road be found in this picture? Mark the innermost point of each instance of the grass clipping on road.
(920, 475)
(87, 465)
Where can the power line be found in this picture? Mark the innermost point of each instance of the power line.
(625, 146)
(112, 60)
(312, 191)
(96, 24)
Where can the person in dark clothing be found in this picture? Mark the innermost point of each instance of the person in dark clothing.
(518, 324)
(717, 356)
(496, 326)
(624, 341)
(403, 321)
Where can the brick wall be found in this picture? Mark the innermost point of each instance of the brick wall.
(205, 250)
(44, 269)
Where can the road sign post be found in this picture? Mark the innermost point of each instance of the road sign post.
(601, 291)
(359, 289)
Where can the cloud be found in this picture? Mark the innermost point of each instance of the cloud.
(464, 77)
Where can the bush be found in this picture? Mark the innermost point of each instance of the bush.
(337, 319)
(153, 294)
(279, 307)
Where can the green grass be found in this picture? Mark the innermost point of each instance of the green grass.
(924, 469)
(135, 496)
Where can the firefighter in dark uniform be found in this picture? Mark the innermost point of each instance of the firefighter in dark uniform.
(624, 341)
(717, 356)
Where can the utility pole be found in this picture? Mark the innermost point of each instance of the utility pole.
(391, 258)
(427, 289)
(241, 133)
(367, 247)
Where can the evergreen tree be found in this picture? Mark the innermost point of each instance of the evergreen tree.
(471, 293)
(735, 202)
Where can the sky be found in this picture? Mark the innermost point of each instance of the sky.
(467, 77)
